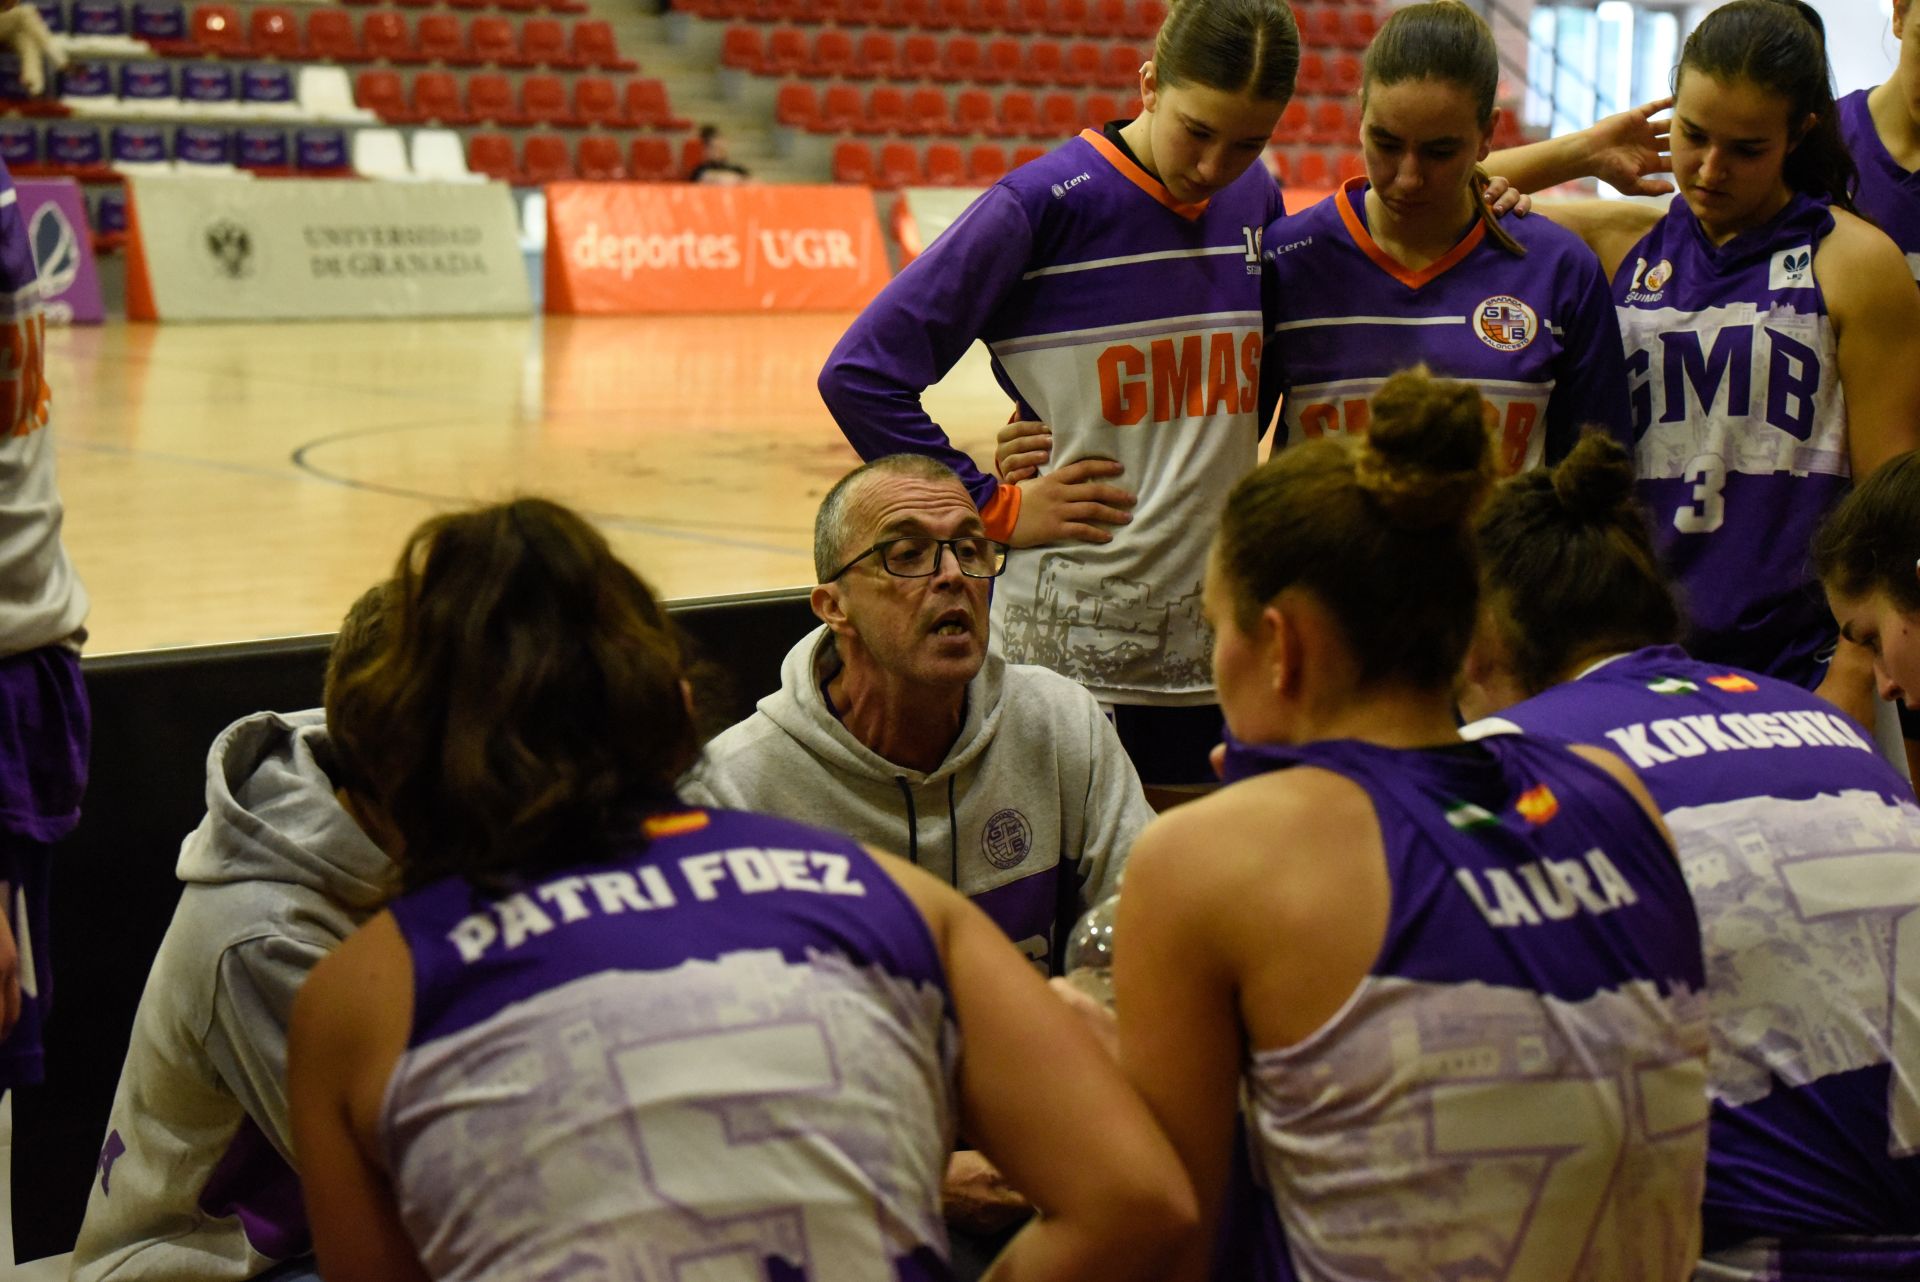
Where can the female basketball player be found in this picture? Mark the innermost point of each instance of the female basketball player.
(1768, 335)
(1794, 835)
(1407, 265)
(1868, 558)
(1458, 983)
(1882, 130)
(600, 1033)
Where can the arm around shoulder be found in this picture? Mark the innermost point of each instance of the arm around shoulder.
(1611, 228)
(1876, 322)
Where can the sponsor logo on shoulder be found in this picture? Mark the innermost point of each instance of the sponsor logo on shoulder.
(1061, 189)
(1791, 269)
(1505, 324)
(1649, 282)
(1289, 247)
(1672, 685)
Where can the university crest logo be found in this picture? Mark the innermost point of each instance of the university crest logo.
(1505, 324)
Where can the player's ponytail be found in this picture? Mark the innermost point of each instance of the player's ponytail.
(523, 706)
(1377, 529)
(1446, 41)
(1780, 47)
(1247, 47)
(1568, 566)
(1871, 541)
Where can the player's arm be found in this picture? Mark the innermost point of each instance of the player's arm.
(1590, 382)
(1611, 228)
(1114, 1204)
(1623, 774)
(25, 32)
(1876, 317)
(1626, 150)
(349, 1027)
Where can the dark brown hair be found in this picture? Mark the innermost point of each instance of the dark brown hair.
(1567, 563)
(525, 706)
(1780, 47)
(1248, 47)
(1446, 41)
(1870, 541)
(1378, 529)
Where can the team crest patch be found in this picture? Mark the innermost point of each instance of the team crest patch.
(1732, 683)
(1658, 275)
(1007, 839)
(1672, 685)
(1505, 324)
(1537, 805)
(675, 824)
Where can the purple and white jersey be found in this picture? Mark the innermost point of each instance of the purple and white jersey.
(1802, 849)
(1131, 324)
(730, 1054)
(1517, 1090)
(1536, 333)
(1740, 429)
(1889, 193)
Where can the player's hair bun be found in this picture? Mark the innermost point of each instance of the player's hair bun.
(1426, 459)
(1596, 480)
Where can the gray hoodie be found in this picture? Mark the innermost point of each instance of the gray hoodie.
(1030, 816)
(194, 1181)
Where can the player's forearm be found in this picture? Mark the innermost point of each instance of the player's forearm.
(1540, 165)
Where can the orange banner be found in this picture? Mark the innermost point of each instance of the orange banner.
(681, 247)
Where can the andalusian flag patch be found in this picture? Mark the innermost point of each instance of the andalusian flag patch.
(1466, 816)
(1672, 685)
(1537, 804)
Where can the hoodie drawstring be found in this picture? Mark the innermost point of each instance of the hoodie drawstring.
(913, 829)
(913, 822)
(953, 836)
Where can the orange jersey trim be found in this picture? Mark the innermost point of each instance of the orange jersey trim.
(1002, 512)
(1386, 262)
(1133, 173)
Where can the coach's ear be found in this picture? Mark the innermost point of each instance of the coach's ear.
(828, 608)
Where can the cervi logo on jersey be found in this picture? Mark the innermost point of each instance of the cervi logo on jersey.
(1061, 189)
(1505, 324)
(1791, 269)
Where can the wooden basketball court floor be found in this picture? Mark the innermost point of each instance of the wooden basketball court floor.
(233, 482)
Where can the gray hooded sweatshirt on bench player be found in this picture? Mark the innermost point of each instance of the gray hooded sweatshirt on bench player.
(1030, 816)
(194, 1181)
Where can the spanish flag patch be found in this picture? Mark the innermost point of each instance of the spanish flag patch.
(1537, 805)
(1732, 683)
(675, 824)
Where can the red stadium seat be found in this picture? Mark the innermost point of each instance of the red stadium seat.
(593, 45)
(1067, 18)
(1331, 124)
(887, 111)
(1100, 108)
(444, 39)
(833, 54)
(992, 17)
(973, 113)
(1083, 65)
(1312, 172)
(1059, 116)
(945, 166)
(382, 93)
(216, 29)
(648, 108)
(331, 38)
(1344, 74)
(919, 58)
(597, 102)
(842, 110)
(1027, 16)
(1353, 164)
(1021, 155)
(899, 165)
(1019, 115)
(651, 160)
(1144, 19)
(1292, 125)
(600, 160)
(981, 18)
(959, 60)
(1001, 64)
(1321, 30)
(797, 106)
(1043, 64)
(274, 33)
(950, 15)
(692, 152)
(543, 101)
(545, 159)
(853, 163)
(490, 99)
(494, 42)
(1277, 165)
(879, 56)
(492, 155)
(1121, 68)
(388, 38)
(544, 42)
(986, 164)
(1358, 28)
(1312, 75)
(436, 97)
(928, 110)
(786, 54)
(740, 48)
(1107, 19)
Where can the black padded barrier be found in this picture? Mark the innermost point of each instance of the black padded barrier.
(154, 717)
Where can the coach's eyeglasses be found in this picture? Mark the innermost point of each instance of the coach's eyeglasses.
(918, 556)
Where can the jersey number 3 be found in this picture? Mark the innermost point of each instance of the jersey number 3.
(1708, 510)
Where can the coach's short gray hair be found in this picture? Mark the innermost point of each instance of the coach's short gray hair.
(830, 533)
